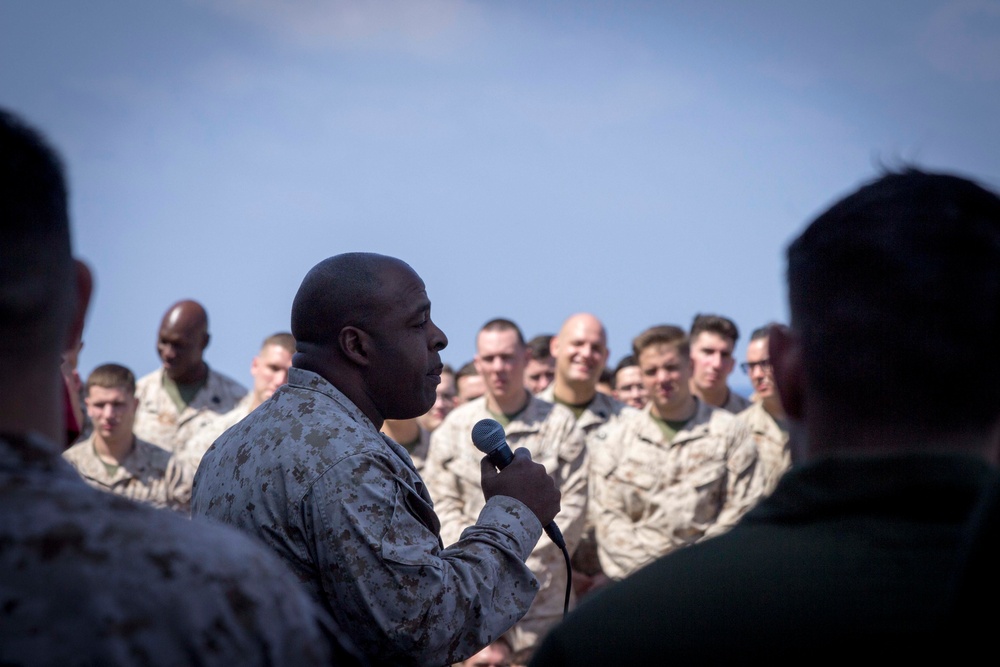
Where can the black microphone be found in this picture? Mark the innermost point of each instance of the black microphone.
(489, 438)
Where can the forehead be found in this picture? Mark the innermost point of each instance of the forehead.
(540, 366)
(103, 394)
(401, 288)
(584, 330)
(659, 354)
(275, 354)
(757, 349)
(628, 373)
(709, 340)
(489, 343)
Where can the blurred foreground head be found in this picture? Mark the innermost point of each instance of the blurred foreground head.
(895, 303)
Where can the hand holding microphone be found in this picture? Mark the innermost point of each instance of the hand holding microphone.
(522, 478)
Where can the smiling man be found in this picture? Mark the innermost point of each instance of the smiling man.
(682, 470)
(181, 403)
(580, 350)
(309, 474)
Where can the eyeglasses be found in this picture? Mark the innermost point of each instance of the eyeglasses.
(748, 366)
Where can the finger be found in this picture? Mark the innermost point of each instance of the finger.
(487, 468)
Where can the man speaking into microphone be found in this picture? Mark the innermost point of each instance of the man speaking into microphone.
(309, 474)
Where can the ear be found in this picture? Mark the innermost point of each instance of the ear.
(207, 338)
(84, 290)
(554, 346)
(355, 344)
(785, 352)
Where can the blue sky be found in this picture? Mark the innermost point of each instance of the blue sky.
(643, 161)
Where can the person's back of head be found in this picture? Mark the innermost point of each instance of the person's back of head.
(36, 269)
(895, 297)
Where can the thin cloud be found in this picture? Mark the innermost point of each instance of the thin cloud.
(429, 27)
(962, 39)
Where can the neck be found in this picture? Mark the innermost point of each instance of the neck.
(717, 396)
(834, 433)
(34, 402)
(346, 378)
(683, 411)
(508, 405)
(116, 449)
(772, 406)
(574, 393)
(403, 431)
(256, 401)
(194, 377)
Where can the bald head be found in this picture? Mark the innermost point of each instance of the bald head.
(340, 291)
(182, 340)
(362, 321)
(581, 351)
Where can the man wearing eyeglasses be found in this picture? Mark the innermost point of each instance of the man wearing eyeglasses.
(765, 417)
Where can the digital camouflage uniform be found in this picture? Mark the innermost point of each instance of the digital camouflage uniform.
(597, 423)
(90, 578)
(653, 496)
(149, 474)
(419, 453)
(454, 477)
(157, 419)
(309, 474)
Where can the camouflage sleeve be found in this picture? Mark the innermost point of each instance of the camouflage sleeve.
(443, 485)
(743, 487)
(178, 480)
(408, 600)
(627, 538)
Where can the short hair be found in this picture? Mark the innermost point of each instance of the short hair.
(281, 339)
(337, 292)
(540, 347)
(36, 267)
(501, 324)
(607, 377)
(896, 284)
(467, 369)
(762, 332)
(447, 370)
(626, 361)
(717, 324)
(112, 376)
(663, 334)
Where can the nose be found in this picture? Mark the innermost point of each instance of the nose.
(438, 339)
(281, 377)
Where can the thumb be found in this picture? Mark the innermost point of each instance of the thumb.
(487, 468)
(522, 453)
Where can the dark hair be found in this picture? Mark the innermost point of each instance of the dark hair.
(626, 361)
(895, 295)
(717, 324)
(540, 347)
(762, 332)
(501, 324)
(36, 268)
(663, 334)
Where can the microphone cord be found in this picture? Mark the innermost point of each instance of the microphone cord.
(569, 578)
